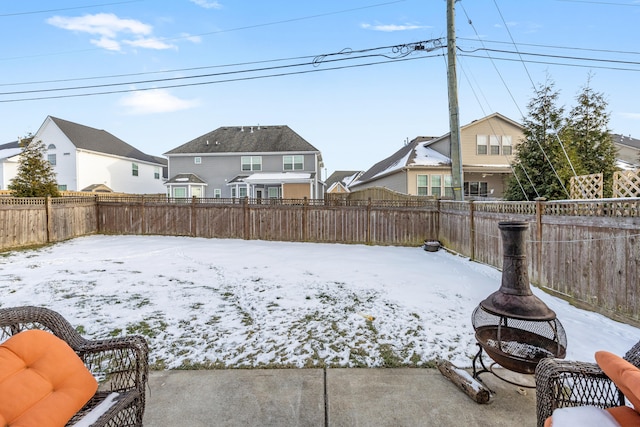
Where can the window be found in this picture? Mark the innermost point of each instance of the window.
(217, 193)
(293, 163)
(494, 142)
(242, 192)
(507, 147)
(274, 192)
(448, 186)
(481, 144)
(233, 192)
(436, 185)
(156, 173)
(134, 169)
(179, 192)
(251, 163)
(475, 188)
(197, 160)
(51, 147)
(423, 185)
(52, 159)
(62, 187)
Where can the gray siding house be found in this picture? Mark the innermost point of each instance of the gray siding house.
(246, 161)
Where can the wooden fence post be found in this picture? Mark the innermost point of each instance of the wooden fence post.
(472, 231)
(142, 215)
(246, 215)
(193, 225)
(49, 218)
(305, 212)
(369, 221)
(539, 209)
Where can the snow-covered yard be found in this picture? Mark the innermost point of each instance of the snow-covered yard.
(237, 303)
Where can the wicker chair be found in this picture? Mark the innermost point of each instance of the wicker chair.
(119, 364)
(564, 383)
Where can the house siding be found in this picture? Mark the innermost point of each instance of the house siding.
(396, 182)
(217, 170)
(492, 126)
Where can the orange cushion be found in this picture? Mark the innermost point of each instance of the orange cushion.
(43, 382)
(623, 374)
(625, 416)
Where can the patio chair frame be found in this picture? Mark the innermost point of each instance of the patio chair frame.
(119, 364)
(563, 383)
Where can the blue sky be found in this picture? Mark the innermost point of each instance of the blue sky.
(149, 53)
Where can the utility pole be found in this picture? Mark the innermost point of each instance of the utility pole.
(454, 119)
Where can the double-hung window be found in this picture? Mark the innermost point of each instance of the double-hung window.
(507, 147)
(251, 163)
(291, 163)
(494, 143)
(436, 185)
(423, 185)
(52, 159)
(481, 144)
(134, 169)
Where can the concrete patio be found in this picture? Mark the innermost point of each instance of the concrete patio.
(335, 397)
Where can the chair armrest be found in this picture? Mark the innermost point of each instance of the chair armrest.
(563, 383)
(118, 363)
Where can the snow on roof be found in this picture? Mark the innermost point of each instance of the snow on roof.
(426, 156)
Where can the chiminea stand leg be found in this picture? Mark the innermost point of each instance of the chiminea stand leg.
(478, 357)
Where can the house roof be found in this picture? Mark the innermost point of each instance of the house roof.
(246, 139)
(345, 178)
(626, 140)
(418, 153)
(10, 149)
(186, 178)
(100, 141)
(415, 152)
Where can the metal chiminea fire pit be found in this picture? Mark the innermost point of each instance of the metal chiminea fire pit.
(513, 326)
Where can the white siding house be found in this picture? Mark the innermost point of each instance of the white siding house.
(9, 154)
(83, 156)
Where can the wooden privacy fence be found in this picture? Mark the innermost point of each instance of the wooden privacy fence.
(367, 222)
(585, 251)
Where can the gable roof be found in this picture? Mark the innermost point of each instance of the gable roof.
(345, 178)
(415, 152)
(100, 141)
(418, 153)
(246, 139)
(186, 178)
(10, 149)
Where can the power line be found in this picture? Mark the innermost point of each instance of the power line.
(216, 81)
(398, 51)
(33, 12)
(247, 27)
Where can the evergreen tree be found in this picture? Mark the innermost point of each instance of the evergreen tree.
(539, 153)
(589, 138)
(35, 177)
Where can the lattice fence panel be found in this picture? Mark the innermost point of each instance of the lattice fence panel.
(626, 184)
(587, 186)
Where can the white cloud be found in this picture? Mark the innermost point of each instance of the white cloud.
(392, 27)
(149, 43)
(155, 101)
(106, 43)
(104, 24)
(207, 4)
(111, 29)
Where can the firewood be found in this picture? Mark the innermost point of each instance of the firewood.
(464, 381)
